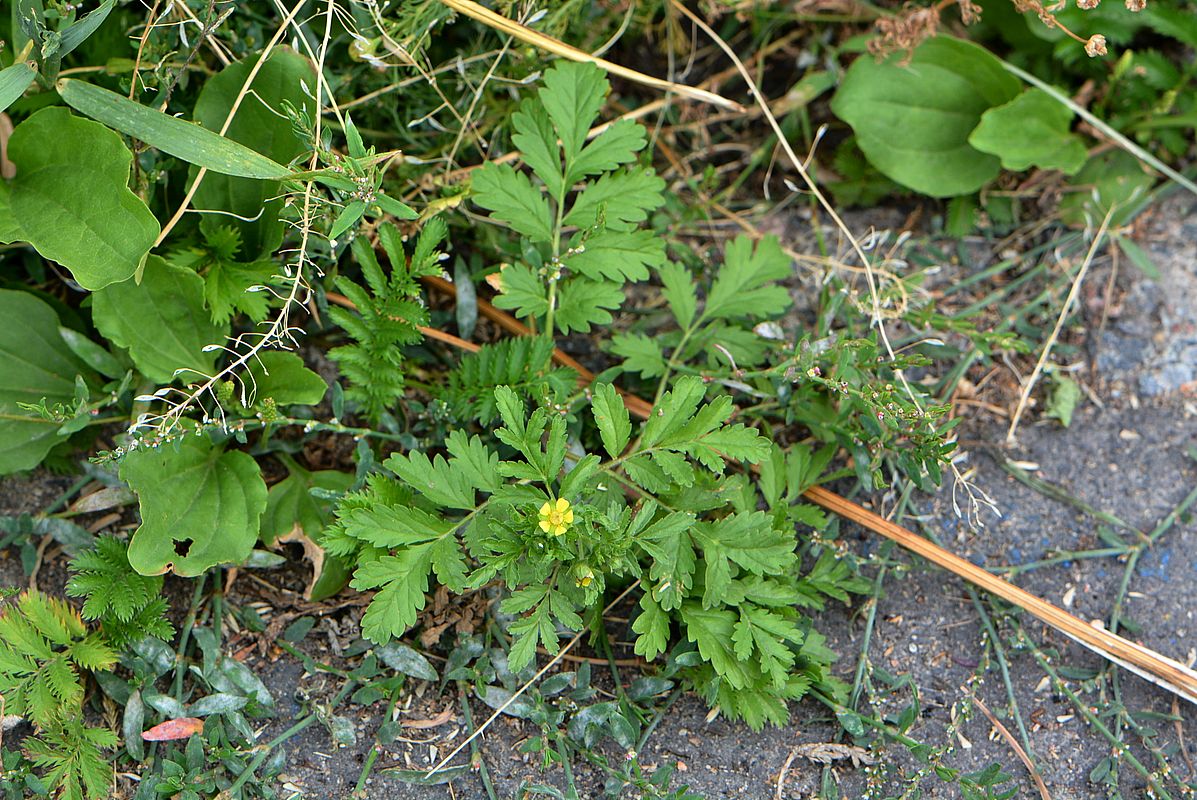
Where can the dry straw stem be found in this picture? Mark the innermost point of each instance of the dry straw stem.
(249, 79)
(1055, 334)
(1015, 746)
(557, 47)
(1147, 664)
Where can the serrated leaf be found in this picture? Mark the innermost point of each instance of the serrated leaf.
(512, 198)
(617, 145)
(616, 255)
(391, 526)
(474, 459)
(639, 353)
(522, 291)
(162, 322)
(611, 417)
(200, 506)
(582, 303)
(179, 138)
(1032, 130)
(435, 478)
(448, 562)
(678, 290)
(667, 542)
(652, 625)
(35, 364)
(1063, 399)
(70, 199)
(226, 290)
(750, 541)
(404, 580)
(742, 286)
(572, 96)
(621, 200)
(674, 410)
(712, 630)
(537, 141)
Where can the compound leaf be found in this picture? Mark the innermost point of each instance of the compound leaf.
(512, 198)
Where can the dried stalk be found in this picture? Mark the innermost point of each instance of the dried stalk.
(557, 47)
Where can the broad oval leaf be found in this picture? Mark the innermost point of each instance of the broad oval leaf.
(281, 376)
(162, 322)
(913, 121)
(200, 506)
(35, 365)
(70, 198)
(1032, 130)
(180, 138)
(259, 127)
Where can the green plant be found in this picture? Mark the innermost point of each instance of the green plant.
(388, 317)
(560, 281)
(127, 605)
(44, 651)
(557, 535)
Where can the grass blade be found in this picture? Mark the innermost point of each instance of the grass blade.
(182, 139)
(14, 81)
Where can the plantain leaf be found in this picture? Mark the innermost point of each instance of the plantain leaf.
(35, 365)
(200, 506)
(182, 139)
(1032, 130)
(913, 120)
(162, 322)
(259, 126)
(70, 198)
(283, 377)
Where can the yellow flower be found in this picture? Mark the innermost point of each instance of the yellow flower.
(555, 518)
(585, 575)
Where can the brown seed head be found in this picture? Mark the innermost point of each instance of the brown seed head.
(1096, 46)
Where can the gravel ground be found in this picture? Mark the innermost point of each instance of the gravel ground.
(1126, 457)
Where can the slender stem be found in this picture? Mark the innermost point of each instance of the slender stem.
(360, 788)
(476, 758)
(264, 753)
(185, 634)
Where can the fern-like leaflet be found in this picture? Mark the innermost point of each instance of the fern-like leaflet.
(44, 648)
(389, 313)
(522, 363)
(127, 604)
